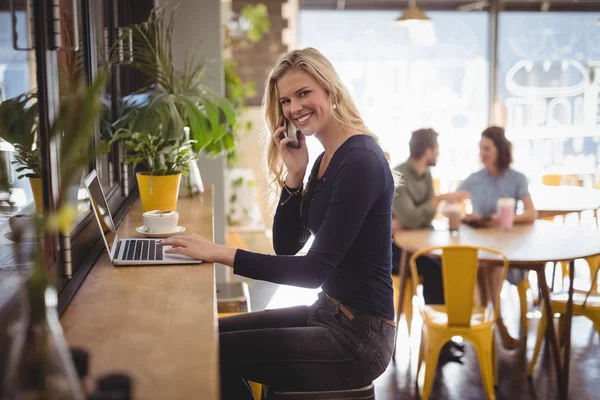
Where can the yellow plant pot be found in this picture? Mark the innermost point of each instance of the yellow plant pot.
(158, 192)
(38, 194)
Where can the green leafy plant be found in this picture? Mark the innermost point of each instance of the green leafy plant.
(156, 154)
(174, 98)
(18, 126)
(18, 119)
(249, 26)
(28, 162)
(73, 129)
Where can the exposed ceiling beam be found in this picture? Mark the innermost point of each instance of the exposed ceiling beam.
(455, 5)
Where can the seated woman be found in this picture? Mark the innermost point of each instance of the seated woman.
(495, 181)
(346, 338)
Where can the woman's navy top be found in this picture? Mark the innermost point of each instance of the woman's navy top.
(349, 212)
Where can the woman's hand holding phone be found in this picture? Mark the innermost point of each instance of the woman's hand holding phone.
(291, 133)
(295, 160)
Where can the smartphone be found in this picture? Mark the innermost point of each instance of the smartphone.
(478, 223)
(291, 132)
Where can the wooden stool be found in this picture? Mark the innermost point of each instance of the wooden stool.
(233, 297)
(364, 393)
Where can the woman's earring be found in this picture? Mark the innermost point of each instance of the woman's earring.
(334, 106)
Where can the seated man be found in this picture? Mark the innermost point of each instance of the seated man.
(415, 206)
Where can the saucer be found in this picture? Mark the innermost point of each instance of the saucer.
(142, 230)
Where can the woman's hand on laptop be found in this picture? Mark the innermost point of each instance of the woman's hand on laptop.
(195, 246)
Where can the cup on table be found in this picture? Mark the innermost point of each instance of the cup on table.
(454, 221)
(160, 221)
(506, 212)
(453, 212)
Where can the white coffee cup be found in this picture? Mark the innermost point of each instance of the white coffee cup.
(453, 211)
(160, 221)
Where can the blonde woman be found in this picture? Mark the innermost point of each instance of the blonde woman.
(346, 338)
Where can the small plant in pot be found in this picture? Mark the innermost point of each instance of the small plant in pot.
(160, 162)
(18, 126)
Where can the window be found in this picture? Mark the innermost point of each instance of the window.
(17, 80)
(90, 26)
(401, 84)
(548, 87)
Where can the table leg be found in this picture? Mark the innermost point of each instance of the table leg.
(567, 333)
(553, 275)
(550, 335)
(403, 269)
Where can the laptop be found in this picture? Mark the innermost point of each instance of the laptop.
(127, 251)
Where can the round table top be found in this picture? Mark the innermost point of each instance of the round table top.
(563, 199)
(535, 243)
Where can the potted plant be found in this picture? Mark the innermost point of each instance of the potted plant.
(174, 98)
(160, 163)
(18, 126)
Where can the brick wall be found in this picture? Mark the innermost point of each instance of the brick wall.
(256, 59)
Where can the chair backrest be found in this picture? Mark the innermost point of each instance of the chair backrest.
(459, 272)
(594, 263)
(552, 180)
(558, 180)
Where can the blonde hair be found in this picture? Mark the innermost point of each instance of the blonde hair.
(320, 68)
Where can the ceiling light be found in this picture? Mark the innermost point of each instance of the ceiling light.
(420, 27)
(411, 15)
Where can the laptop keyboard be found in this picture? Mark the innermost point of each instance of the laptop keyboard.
(141, 250)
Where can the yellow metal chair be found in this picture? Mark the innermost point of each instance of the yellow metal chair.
(256, 387)
(459, 316)
(407, 305)
(586, 304)
(593, 264)
(557, 180)
(552, 180)
(522, 289)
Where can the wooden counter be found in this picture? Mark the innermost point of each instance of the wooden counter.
(159, 323)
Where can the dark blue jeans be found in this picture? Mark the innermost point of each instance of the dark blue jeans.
(304, 348)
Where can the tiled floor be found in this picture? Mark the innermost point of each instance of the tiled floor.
(463, 381)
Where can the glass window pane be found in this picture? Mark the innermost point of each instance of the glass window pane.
(548, 91)
(104, 163)
(18, 120)
(71, 73)
(403, 79)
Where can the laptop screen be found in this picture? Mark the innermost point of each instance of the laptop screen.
(100, 207)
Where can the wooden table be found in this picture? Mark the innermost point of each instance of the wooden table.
(528, 247)
(158, 323)
(551, 201)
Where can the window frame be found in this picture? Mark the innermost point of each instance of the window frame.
(84, 243)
